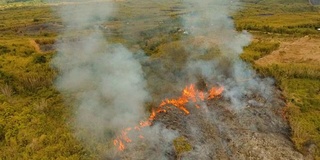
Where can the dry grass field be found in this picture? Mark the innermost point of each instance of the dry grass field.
(35, 118)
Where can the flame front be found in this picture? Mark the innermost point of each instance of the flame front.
(214, 92)
(189, 94)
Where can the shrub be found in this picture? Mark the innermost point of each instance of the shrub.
(4, 49)
(181, 145)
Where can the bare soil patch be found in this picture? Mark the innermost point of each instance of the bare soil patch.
(305, 50)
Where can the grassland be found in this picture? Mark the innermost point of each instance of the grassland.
(34, 120)
(292, 27)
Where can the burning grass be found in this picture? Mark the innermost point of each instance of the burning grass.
(213, 131)
(189, 95)
(32, 121)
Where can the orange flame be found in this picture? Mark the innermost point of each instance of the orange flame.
(214, 92)
(119, 144)
(189, 94)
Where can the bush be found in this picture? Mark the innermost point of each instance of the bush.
(4, 49)
(181, 145)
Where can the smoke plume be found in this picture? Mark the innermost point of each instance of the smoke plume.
(210, 22)
(104, 79)
(105, 82)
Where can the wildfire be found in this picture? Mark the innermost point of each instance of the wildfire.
(189, 94)
(214, 92)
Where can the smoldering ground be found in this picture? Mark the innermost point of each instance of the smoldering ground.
(111, 86)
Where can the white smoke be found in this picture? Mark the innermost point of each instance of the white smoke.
(105, 79)
(106, 83)
(210, 21)
(210, 25)
(156, 144)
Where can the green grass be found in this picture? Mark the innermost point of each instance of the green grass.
(288, 18)
(259, 49)
(33, 117)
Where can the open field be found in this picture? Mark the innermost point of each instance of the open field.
(35, 119)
